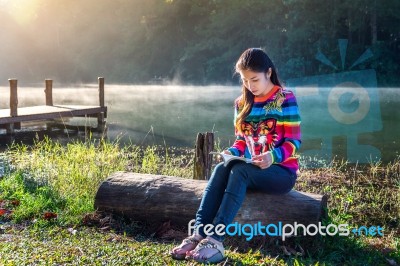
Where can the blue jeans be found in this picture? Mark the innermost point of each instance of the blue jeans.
(227, 187)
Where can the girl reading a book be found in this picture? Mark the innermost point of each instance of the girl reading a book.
(267, 129)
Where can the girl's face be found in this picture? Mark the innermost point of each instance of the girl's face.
(258, 83)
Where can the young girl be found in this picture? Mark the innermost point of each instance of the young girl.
(267, 129)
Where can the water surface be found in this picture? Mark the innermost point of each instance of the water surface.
(333, 126)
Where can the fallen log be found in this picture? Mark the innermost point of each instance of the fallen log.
(156, 199)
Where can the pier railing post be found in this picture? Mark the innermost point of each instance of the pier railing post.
(101, 115)
(13, 97)
(13, 105)
(49, 91)
(101, 91)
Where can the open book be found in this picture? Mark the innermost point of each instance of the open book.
(227, 158)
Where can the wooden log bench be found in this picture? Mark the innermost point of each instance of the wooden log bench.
(156, 199)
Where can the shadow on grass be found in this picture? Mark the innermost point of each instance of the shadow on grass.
(299, 250)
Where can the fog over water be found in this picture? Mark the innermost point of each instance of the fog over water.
(173, 115)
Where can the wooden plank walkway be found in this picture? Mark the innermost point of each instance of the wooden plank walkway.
(11, 118)
(44, 112)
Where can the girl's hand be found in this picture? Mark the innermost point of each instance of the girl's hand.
(227, 152)
(224, 152)
(263, 160)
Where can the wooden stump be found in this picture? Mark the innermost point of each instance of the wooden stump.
(156, 199)
(202, 157)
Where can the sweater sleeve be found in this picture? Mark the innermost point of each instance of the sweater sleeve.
(291, 126)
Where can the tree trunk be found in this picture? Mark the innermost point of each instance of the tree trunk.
(156, 199)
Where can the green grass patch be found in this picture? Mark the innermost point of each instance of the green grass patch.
(49, 177)
(47, 211)
(85, 246)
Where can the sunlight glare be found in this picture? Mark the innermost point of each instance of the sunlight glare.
(23, 11)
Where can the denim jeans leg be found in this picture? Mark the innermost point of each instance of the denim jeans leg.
(233, 196)
(273, 180)
(212, 197)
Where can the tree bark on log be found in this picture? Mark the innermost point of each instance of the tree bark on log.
(156, 199)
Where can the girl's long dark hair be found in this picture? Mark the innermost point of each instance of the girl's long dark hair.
(256, 60)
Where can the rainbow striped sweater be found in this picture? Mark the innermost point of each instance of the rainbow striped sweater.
(272, 125)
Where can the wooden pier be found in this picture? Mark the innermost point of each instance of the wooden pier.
(11, 119)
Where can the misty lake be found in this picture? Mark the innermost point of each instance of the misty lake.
(355, 124)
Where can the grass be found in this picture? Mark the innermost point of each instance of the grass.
(61, 179)
(46, 210)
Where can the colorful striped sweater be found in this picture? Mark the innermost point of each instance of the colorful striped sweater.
(272, 125)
